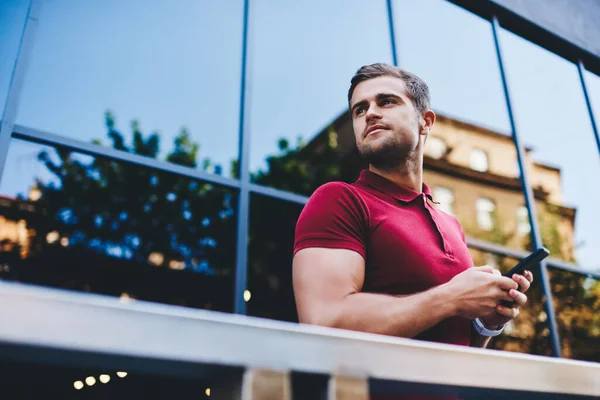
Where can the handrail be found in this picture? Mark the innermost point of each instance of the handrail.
(44, 318)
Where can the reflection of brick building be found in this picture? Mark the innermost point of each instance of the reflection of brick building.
(15, 235)
(474, 173)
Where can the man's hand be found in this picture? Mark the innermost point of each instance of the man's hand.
(477, 291)
(506, 312)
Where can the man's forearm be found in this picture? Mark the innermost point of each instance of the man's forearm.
(405, 316)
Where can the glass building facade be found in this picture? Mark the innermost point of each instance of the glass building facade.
(163, 151)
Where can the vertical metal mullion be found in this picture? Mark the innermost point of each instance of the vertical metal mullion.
(241, 263)
(529, 198)
(392, 32)
(16, 83)
(588, 102)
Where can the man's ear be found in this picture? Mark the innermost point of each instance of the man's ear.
(427, 121)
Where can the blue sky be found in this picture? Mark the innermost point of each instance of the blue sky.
(178, 64)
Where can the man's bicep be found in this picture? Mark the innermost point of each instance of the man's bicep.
(323, 277)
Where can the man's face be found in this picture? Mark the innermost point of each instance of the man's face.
(386, 123)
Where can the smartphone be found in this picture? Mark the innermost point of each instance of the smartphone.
(529, 262)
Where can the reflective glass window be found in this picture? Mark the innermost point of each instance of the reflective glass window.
(563, 164)
(171, 66)
(12, 23)
(91, 224)
(455, 55)
(304, 55)
(270, 251)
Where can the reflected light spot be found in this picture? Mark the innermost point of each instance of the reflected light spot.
(104, 378)
(64, 242)
(156, 258)
(90, 381)
(247, 295)
(78, 385)
(121, 374)
(34, 194)
(52, 237)
(176, 265)
(125, 298)
(207, 391)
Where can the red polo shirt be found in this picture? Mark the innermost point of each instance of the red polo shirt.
(408, 245)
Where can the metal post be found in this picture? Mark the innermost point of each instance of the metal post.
(392, 32)
(588, 102)
(529, 199)
(241, 263)
(16, 83)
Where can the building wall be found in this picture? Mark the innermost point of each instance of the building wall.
(502, 156)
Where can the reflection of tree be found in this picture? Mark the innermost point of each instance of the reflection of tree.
(134, 213)
(301, 169)
(576, 302)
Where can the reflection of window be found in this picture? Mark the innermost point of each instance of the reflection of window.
(479, 160)
(435, 147)
(445, 197)
(523, 227)
(485, 209)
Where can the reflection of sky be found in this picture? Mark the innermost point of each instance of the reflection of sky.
(454, 53)
(12, 16)
(178, 63)
(304, 54)
(171, 65)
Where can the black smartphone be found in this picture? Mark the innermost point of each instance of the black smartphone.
(529, 262)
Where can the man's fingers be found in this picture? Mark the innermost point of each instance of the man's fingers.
(517, 296)
(507, 283)
(528, 275)
(507, 312)
(522, 281)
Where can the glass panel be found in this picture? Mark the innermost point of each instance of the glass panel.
(156, 63)
(301, 134)
(271, 243)
(458, 63)
(460, 66)
(577, 305)
(529, 332)
(26, 380)
(12, 22)
(552, 117)
(74, 221)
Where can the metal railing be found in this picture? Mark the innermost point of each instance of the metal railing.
(251, 358)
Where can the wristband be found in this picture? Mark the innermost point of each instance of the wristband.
(482, 330)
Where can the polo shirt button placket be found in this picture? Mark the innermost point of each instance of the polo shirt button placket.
(445, 244)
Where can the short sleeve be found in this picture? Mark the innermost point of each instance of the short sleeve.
(335, 217)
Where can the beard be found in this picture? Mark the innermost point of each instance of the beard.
(387, 155)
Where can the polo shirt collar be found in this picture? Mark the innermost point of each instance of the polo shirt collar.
(393, 189)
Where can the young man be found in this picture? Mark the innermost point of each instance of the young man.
(376, 256)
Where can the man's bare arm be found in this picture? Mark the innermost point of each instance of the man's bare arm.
(327, 285)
